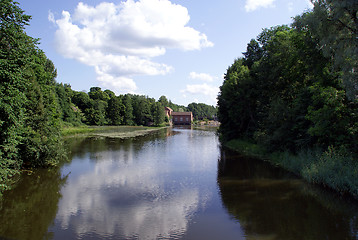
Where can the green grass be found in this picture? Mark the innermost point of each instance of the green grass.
(332, 168)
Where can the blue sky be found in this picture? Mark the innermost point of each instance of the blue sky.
(177, 48)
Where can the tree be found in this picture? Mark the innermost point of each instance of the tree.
(68, 111)
(96, 112)
(109, 93)
(128, 110)
(158, 113)
(115, 111)
(202, 111)
(96, 93)
(334, 23)
(82, 100)
(29, 113)
(235, 110)
(286, 94)
(142, 110)
(253, 53)
(164, 101)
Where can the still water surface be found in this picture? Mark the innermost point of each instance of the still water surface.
(173, 184)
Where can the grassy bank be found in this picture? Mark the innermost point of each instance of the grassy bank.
(108, 131)
(331, 168)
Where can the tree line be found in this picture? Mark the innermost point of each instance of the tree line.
(34, 107)
(100, 108)
(296, 86)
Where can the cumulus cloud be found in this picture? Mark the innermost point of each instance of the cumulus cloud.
(252, 5)
(201, 76)
(120, 40)
(209, 91)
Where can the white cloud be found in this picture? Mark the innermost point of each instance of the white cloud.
(252, 5)
(201, 76)
(209, 91)
(119, 40)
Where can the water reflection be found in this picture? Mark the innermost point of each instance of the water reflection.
(173, 184)
(269, 204)
(127, 197)
(133, 188)
(33, 200)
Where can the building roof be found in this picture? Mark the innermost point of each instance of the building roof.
(182, 113)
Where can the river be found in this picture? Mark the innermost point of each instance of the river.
(172, 184)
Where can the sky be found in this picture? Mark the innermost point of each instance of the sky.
(177, 48)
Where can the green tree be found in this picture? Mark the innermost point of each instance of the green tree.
(236, 107)
(142, 110)
(96, 93)
(128, 110)
(286, 94)
(334, 23)
(29, 113)
(164, 101)
(253, 53)
(158, 113)
(202, 111)
(96, 112)
(109, 93)
(115, 111)
(82, 100)
(69, 112)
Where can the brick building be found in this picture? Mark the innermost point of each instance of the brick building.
(182, 118)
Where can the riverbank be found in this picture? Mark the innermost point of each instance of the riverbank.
(332, 168)
(211, 123)
(109, 131)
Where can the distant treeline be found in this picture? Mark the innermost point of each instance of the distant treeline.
(296, 90)
(100, 108)
(34, 108)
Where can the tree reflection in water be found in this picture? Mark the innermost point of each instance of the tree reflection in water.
(272, 204)
(34, 199)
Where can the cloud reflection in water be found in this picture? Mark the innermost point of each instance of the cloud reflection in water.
(126, 194)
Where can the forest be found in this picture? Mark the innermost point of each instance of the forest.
(34, 107)
(99, 108)
(295, 91)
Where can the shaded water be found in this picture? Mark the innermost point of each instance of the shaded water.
(174, 184)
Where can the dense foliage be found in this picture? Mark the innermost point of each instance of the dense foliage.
(29, 113)
(202, 111)
(296, 87)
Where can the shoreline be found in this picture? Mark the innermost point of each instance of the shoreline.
(330, 169)
(108, 131)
